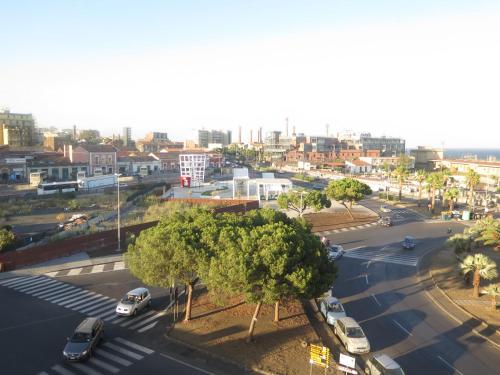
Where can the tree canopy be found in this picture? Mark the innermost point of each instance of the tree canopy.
(347, 190)
(301, 200)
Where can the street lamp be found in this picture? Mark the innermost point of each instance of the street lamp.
(118, 249)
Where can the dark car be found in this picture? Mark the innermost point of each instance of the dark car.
(84, 340)
(409, 243)
(385, 221)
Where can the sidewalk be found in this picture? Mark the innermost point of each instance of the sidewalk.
(450, 308)
(75, 261)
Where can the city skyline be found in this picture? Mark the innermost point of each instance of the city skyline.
(425, 74)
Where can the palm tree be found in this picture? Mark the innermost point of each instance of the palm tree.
(481, 266)
(436, 182)
(420, 176)
(492, 290)
(472, 179)
(452, 195)
(401, 174)
(490, 233)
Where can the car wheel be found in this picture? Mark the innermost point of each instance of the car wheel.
(134, 313)
(149, 303)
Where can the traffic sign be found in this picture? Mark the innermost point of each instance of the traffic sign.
(348, 361)
(320, 356)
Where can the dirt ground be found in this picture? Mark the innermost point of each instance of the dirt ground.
(323, 221)
(445, 271)
(277, 346)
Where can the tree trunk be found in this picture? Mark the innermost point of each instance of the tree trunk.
(452, 204)
(252, 323)
(189, 301)
(400, 189)
(419, 194)
(277, 312)
(471, 203)
(476, 280)
(493, 302)
(348, 211)
(433, 200)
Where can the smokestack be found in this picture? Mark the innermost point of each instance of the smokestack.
(293, 131)
(239, 135)
(327, 129)
(251, 136)
(286, 120)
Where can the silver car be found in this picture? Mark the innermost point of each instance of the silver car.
(134, 301)
(332, 309)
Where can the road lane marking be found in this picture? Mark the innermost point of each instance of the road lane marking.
(81, 297)
(52, 291)
(28, 281)
(187, 364)
(119, 266)
(98, 268)
(104, 365)
(131, 321)
(40, 285)
(85, 369)
(126, 352)
(60, 294)
(159, 315)
(43, 373)
(74, 271)
(403, 328)
(366, 278)
(87, 302)
(61, 370)
(102, 309)
(376, 300)
(449, 365)
(134, 346)
(115, 358)
(95, 302)
(148, 327)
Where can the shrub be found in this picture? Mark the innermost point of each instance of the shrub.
(7, 238)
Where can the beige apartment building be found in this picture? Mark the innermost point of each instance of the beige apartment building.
(16, 129)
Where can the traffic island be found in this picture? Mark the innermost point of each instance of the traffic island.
(277, 348)
(453, 289)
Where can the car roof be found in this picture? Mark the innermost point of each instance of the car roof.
(349, 322)
(87, 325)
(331, 300)
(137, 291)
(386, 361)
(409, 238)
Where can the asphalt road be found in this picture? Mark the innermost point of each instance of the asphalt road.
(39, 313)
(378, 286)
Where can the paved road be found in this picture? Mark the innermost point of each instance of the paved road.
(379, 288)
(39, 312)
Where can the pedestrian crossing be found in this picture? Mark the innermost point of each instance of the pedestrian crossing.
(347, 229)
(110, 357)
(385, 254)
(107, 267)
(82, 300)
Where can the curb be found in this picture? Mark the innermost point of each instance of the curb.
(443, 308)
(216, 356)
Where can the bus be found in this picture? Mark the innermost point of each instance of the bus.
(57, 187)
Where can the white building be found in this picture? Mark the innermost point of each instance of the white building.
(193, 166)
(357, 166)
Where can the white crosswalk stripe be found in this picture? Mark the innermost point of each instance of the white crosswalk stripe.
(83, 301)
(388, 255)
(109, 357)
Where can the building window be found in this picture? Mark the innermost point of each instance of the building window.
(110, 159)
(96, 159)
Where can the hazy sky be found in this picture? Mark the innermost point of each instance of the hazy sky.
(427, 70)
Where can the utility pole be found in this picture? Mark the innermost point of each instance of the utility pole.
(286, 126)
(327, 129)
(118, 209)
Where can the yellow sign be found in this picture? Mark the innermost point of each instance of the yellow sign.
(320, 356)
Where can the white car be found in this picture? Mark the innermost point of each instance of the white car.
(382, 364)
(332, 309)
(133, 302)
(352, 336)
(384, 208)
(335, 252)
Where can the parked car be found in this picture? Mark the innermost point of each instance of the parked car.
(382, 364)
(352, 336)
(134, 301)
(84, 340)
(332, 309)
(409, 243)
(385, 221)
(335, 252)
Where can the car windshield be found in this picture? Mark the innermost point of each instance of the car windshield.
(80, 337)
(129, 299)
(335, 307)
(355, 332)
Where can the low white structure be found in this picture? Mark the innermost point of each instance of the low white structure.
(271, 187)
(357, 166)
(241, 183)
(193, 167)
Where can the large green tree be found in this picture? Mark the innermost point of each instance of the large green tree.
(401, 173)
(435, 181)
(493, 290)
(347, 190)
(268, 257)
(301, 200)
(481, 267)
(7, 238)
(451, 195)
(173, 250)
(489, 233)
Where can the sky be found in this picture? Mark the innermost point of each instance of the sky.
(426, 71)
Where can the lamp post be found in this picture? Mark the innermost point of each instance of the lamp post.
(118, 249)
